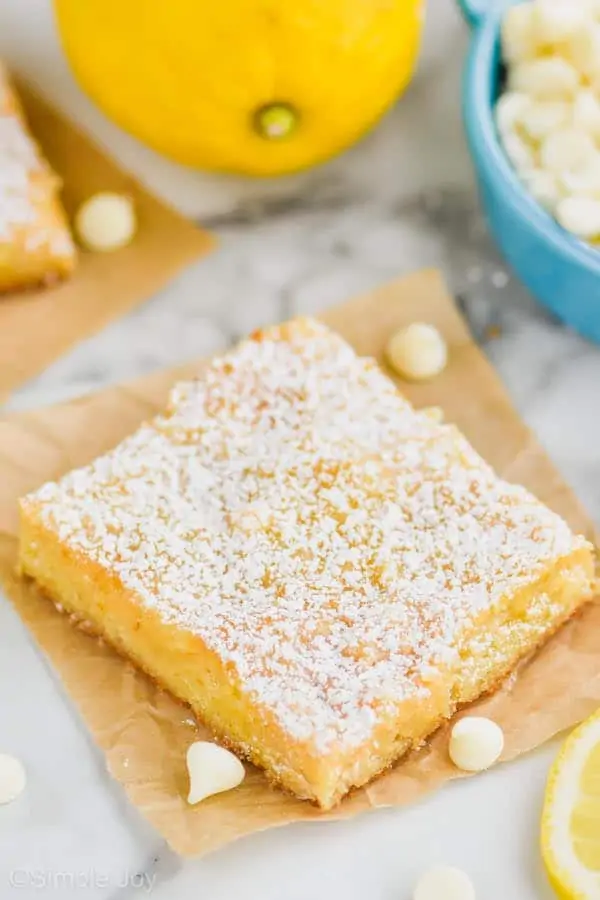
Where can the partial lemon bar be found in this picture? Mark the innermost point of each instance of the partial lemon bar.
(321, 572)
(36, 247)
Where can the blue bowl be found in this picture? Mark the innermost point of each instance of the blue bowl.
(562, 272)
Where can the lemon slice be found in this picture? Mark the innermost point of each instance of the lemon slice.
(571, 816)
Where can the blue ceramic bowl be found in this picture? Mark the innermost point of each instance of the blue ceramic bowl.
(561, 271)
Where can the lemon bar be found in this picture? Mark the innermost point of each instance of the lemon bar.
(35, 241)
(321, 572)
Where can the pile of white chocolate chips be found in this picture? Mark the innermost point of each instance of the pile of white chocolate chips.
(548, 118)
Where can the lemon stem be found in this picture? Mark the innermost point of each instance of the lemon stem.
(276, 121)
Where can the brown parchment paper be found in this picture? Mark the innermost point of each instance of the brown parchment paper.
(145, 733)
(37, 326)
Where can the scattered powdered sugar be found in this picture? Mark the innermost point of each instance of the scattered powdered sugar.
(329, 543)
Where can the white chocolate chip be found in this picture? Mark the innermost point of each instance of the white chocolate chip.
(545, 187)
(542, 117)
(547, 77)
(444, 883)
(512, 111)
(106, 222)
(557, 20)
(586, 112)
(548, 121)
(12, 778)
(583, 183)
(476, 743)
(583, 52)
(580, 216)
(212, 770)
(521, 153)
(417, 352)
(567, 150)
(518, 33)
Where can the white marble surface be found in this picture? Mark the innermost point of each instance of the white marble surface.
(402, 199)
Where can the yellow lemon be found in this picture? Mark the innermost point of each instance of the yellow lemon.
(260, 87)
(571, 817)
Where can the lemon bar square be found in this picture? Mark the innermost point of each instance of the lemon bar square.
(35, 242)
(321, 572)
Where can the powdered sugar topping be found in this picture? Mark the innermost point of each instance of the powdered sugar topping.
(17, 160)
(329, 543)
(20, 185)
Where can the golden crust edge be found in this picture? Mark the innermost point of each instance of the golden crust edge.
(290, 778)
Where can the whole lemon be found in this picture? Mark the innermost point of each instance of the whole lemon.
(260, 87)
